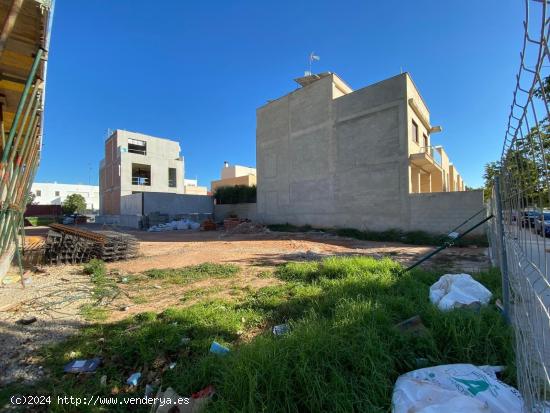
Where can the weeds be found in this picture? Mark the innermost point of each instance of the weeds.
(342, 354)
(104, 290)
(194, 272)
(391, 235)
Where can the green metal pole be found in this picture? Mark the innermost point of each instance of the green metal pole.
(31, 106)
(10, 218)
(34, 105)
(21, 104)
(4, 213)
(446, 245)
(9, 221)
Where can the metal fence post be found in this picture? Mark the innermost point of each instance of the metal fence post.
(503, 256)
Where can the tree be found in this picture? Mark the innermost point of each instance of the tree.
(492, 169)
(31, 199)
(74, 203)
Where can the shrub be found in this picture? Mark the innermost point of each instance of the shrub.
(238, 194)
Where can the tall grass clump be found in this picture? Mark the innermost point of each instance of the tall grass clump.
(191, 273)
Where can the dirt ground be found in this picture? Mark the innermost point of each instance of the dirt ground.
(57, 293)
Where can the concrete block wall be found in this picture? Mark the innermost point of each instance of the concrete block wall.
(245, 211)
(128, 221)
(440, 212)
(174, 204)
(131, 204)
(332, 162)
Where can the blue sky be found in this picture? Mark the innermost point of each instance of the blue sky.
(197, 71)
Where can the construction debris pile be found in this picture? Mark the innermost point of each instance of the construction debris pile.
(69, 245)
(244, 227)
(182, 224)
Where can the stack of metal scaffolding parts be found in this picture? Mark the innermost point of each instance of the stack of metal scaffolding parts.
(70, 245)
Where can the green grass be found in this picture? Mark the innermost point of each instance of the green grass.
(104, 290)
(192, 273)
(342, 354)
(391, 235)
(40, 221)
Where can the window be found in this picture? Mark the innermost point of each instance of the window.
(141, 174)
(135, 146)
(172, 181)
(38, 192)
(415, 131)
(56, 193)
(426, 141)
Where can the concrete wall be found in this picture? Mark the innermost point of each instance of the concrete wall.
(334, 162)
(246, 211)
(174, 204)
(131, 204)
(439, 212)
(128, 221)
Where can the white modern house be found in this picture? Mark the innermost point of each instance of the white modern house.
(53, 193)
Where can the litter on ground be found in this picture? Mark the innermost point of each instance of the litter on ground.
(217, 348)
(133, 380)
(82, 366)
(281, 329)
(182, 224)
(454, 388)
(457, 291)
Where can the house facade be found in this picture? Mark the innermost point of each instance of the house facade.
(233, 175)
(54, 193)
(329, 156)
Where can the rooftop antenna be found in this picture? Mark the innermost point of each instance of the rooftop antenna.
(312, 57)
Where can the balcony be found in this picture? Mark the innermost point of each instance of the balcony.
(141, 174)
(428, 158)
(141, 180)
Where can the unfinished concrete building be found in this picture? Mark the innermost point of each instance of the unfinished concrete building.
(328, 156)
(136, 163)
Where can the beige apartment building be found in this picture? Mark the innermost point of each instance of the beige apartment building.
(191, 187)
(329, 156)
(136, 163)
(233, 175)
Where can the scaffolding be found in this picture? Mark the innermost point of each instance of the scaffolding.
(24, 42)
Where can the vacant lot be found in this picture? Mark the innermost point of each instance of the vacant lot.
(232, 288)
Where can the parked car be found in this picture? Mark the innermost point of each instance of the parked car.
(542, 224)
(528, 218)
(74, 219)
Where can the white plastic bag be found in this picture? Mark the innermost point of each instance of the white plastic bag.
(458, 290)
(454, 388)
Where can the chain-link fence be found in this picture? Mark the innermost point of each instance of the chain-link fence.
(520, 204)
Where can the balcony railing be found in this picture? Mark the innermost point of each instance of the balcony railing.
(138, 180)
(432, 153)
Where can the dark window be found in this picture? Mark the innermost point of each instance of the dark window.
(56, 193)
(38, 192)
(139, 147)
(172, 180)
(426, 141)
(141, 174)
(415, 131)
